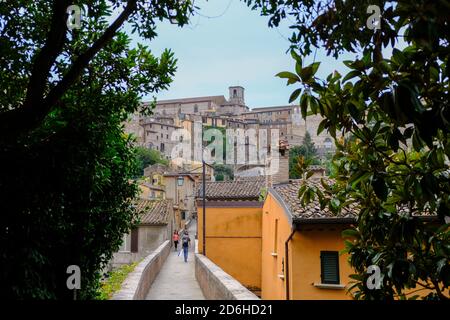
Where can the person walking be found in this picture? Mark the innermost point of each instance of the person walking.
(186, 242)
(175, 239)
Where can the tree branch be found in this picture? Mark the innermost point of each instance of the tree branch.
(48, 54)
(13, 121)
(36, 107)
(83, 60)
(438, 290)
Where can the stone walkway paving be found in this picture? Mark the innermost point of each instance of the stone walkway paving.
(176, 280)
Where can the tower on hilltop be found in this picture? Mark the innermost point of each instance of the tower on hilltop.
(237, 95)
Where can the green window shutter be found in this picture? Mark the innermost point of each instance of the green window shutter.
(329, 261)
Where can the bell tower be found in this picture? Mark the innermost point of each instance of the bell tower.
(237, 95)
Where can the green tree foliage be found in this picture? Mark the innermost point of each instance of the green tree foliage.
(114, 279)
(146, 157)
(223, 172)
(210, 140)
(307, 151)
(65, 164)
(394, 111)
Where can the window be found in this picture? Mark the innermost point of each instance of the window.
(275, 239)
(183, 215)
(167, 136)
(180, 181)
(329, 261)
(195, 108)
(162, 147)
(234, 93)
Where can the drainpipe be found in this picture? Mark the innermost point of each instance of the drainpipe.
(204, 206)
(286, 259)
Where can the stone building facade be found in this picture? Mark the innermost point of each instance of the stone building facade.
(159, 130)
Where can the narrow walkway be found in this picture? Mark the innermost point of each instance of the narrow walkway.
(176, 280)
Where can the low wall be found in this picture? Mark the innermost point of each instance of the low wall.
(138, 282)
(123, 257)
(216, 284)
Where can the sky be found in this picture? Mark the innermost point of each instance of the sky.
(228, 44)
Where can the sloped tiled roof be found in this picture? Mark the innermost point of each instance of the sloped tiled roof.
(243, 189)
(288, 194)
(153, 187)
(216, 99)
(154, 212)
(268, 109)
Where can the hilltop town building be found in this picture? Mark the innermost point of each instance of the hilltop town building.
(161, 131)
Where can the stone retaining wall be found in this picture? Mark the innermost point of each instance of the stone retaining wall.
(216, 284)
(138, 282)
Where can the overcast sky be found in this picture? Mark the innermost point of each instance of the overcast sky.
(234, 47)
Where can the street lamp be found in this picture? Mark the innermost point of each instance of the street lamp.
(204, 196)
(173, 13)
(172, 16)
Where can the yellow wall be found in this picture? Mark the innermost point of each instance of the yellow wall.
(144, 191)
(304, 257)
(273, 287)
(233, 242)
(306, 246)
(157, 179)
(149, 193)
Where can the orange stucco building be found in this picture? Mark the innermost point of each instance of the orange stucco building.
(301, 248)
(233, 237)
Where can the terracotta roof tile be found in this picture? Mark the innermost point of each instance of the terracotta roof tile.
(233, 190)
(288, 192)
(154, 212)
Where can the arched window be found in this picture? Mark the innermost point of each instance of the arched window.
(195, 108)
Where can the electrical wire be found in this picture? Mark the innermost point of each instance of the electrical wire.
(218, 16)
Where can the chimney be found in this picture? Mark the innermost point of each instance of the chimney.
(282, 174)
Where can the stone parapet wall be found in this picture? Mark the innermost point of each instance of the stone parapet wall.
(138, 282)
(216, 284)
